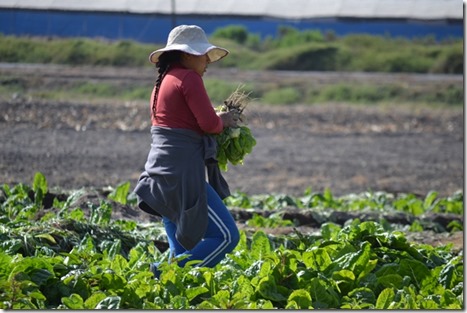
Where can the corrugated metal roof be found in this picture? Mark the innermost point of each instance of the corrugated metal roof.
(288, 9)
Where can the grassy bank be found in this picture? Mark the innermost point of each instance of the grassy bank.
(308, 50)
(291, 50)
(279, 91)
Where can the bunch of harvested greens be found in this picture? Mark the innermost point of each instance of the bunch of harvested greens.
(234, 142)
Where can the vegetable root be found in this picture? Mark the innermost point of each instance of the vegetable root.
(234, 142)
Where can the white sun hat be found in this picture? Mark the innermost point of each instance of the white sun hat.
(190, 39)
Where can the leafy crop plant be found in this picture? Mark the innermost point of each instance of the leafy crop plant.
(65, 260)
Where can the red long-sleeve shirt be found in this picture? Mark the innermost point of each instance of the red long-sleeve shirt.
(184, 103)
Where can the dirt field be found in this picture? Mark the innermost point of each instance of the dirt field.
(350, 149)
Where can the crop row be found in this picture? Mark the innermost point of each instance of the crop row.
(80, 258)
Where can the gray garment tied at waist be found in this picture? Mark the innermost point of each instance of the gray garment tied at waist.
(173, 183)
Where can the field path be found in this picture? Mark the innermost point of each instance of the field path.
(346, 148)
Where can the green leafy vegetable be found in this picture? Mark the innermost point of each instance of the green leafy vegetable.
(233, 143)
(100, 263)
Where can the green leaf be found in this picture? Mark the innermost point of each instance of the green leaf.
(40, 276)
(301, 298)
(429, 304)
(316, 258)
(261, 304)
(30, 265)
(267, 288)
(362, 295)
(356, 261)
(343, 275)
(330, 230)
(109, 303)
(115, 249)
(77, 215)
(5, 265)
(72, 199)
(416, 226)
(11, 246)
(328, 195)
(6, 190)
(112, 281)
(265, 269)
(367, 269)
(119, 264)
(210, 282)
(260, 245)
(449, 300)
(49, 237)
(136, 254)
(292, 305)
(391, 281)
(37, 295)
(221, 299)
(455, 225)
(120, 194)
(385, 298)
(416, 270)
(40, 183)
(387, 269)
(323, 296)
(74, 302)
(94, 299)
(195, 291)
(142, 290)
(345, 280)
(242, 289)
(101, 214)
(87, 244)
(446, 276)
(429, 200)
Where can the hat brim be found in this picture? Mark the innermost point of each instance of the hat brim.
(215, 53)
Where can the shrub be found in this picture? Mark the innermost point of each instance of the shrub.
(236, 33)
(289, 36)
(307, 57)
(450, 61)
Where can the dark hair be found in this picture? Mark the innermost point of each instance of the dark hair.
(165, 60)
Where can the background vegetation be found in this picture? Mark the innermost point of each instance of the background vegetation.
(308, 50)
(291, 49)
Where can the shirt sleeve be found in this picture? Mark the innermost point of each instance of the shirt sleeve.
(200, 105)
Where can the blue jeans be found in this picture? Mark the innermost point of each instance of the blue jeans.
(221, 236)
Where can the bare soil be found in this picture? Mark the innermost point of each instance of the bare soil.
(347, 148)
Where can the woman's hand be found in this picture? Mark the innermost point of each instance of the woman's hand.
(229, 119)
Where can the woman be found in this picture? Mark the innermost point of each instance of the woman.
(174, 184)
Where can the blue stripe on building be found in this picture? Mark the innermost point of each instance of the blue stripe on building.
(154, 28)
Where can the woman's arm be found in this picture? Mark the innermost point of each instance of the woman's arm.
(200, 105)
